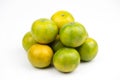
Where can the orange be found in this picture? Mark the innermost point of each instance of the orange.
(62, 17)
(57, 44)
(66, 59)
(73, 34)
(40, 56)
(44, 30)
(88, 50)
(28, 41)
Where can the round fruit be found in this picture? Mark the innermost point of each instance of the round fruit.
(44, 31)
(28, 41)
(40, 56)
(73, 34)
(56, 45)
(62, 17)
(88, 50)
(66, 59)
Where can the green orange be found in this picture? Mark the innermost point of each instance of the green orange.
(44, 30)
(66, 59)
(57, 44)
(62, 17)
(88, 50)
(73, 34)
(28, 41)
(40, 56)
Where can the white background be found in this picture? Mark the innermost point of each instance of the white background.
(100, 17)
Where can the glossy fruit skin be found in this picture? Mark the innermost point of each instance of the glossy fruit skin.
(62, 17)
(73, 34)
(28, 41)
(40, 56)
(66, 59)
(44, 30)
(88, 50)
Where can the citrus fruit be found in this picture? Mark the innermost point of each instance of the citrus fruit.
(28, 41)
(66, 59)
(62, 17)
(56, 44)
(44, 30)
(88, 50)
(73, 34)
(40, 56)
(57, 37)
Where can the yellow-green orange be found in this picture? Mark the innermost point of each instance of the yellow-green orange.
(40, 56)
(66, 59)
(44, 30)
(62, 17)
(56, 45)
(88, 50)
(28, 41)
(73, 34)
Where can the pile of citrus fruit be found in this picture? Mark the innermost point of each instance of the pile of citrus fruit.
(60, 41)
